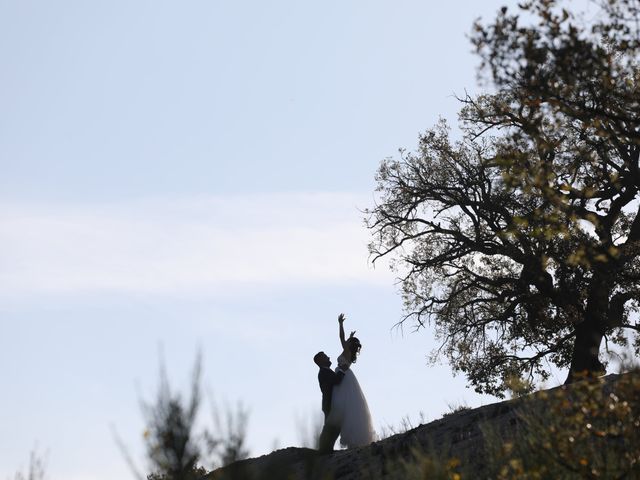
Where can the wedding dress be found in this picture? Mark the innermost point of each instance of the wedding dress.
(350, 408)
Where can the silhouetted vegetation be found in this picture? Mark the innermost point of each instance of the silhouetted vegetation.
(453, 409)
(589, 429)
(178, 446)
(36, 469)
(519, 243)
(309, 429)
(228, 439)
(172, 444)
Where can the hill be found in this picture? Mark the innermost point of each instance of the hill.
(563, 425)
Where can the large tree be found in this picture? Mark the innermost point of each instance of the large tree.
(519, 241)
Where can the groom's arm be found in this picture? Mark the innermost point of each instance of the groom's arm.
(329, 377)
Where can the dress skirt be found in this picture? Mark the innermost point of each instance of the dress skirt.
(349, 409)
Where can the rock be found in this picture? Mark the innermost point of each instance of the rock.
(458, 435)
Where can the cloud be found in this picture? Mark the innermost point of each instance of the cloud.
(188, 245)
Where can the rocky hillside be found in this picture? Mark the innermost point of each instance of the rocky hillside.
(461, 435)
(456, 435)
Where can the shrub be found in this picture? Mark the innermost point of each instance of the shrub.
(587, 430)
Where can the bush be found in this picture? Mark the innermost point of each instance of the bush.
(36, 469)
(587, 430)
(177, 446)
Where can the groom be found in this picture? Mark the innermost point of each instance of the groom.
(327, 379)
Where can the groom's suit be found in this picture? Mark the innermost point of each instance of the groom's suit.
(330, 431)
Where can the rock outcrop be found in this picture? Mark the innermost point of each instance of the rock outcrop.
(457, 435)
(461, 435)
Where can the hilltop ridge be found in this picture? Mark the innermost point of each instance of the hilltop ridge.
(586, 429)
(456, 434)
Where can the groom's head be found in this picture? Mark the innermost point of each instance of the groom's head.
(322, 360)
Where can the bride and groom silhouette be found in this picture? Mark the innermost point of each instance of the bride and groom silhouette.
(346, 413)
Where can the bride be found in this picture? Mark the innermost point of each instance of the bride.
(348, 402)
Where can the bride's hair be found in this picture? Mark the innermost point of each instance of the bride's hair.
(354, 348)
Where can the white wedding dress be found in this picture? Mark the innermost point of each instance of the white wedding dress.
(350, 410)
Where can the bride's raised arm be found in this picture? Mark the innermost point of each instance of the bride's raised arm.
(343, 342)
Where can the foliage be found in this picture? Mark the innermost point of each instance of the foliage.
(453, 409)
(172, 448)
(519, 242)
(309, 428)
(36, 471)
(229, 441)
(194, 473)
(423, 465)
(587, 430)
(591, 430)
(178, 445)
(406, 424)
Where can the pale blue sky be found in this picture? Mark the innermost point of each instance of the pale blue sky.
(191, 174)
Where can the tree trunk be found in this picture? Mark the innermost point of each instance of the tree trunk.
(590, 332)
(586, 348)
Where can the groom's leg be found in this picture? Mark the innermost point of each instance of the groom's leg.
(328, 438)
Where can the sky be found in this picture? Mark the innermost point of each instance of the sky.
(184, 177)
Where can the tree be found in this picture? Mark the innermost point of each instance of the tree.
(519, 242)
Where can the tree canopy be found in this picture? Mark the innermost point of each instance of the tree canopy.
(518, 241)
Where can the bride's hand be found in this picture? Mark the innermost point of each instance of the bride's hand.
(341, 318)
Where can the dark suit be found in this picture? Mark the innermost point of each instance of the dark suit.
(327, 379)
